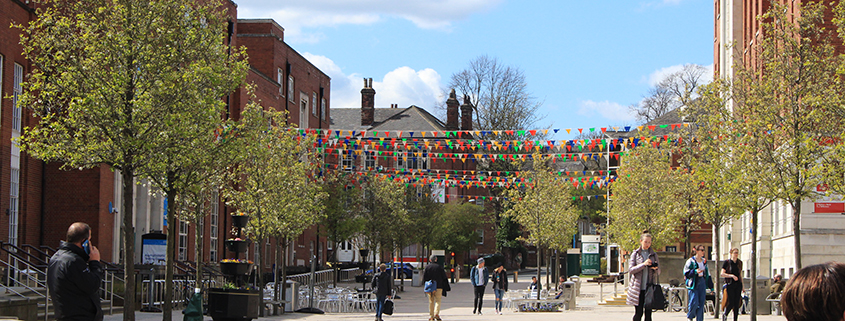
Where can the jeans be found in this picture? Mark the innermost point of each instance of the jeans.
(697, 300)
(639, 309)
(499, 294)
(380, 304)
(479, 298)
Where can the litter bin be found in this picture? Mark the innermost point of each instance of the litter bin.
(568, 293)
(577, 280)
(416, 278)
(763, 291)
(291, 295)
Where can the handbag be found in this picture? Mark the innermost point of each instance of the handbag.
(724, 297)
(654, 298)
(430, 286)
(388, 307)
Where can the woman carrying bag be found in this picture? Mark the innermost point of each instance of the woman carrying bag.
(697, 281)
(643, 271)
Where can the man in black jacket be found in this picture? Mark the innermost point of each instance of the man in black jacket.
(74, 275)
(383, 284)
(435, 272)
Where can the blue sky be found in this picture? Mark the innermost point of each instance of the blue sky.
(586, 60)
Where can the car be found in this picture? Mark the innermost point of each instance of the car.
(406, 272)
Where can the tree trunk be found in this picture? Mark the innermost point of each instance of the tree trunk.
(539, 256)
(754, 214)
(172, 238)
(557, 265)
(198, 253)
(796, 232)
(716, 243)
(259, 282)
(284, 277)
(402, 269)
(334, 264)
(128, 245)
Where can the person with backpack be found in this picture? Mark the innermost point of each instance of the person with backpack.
(698, 280)
(383, 285)
(436, 286)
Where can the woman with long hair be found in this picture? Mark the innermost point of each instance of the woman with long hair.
(643, 270)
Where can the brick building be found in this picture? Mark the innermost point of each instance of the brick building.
(44, 200)
(410, 150)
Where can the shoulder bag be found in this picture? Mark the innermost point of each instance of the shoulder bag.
(654, 298)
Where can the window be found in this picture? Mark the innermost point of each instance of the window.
(672, 249)
(280, 78)
(314, 104)
(323, 109)
(13, 205)
(370, 160)
(213, 221)
(480, 236)
(412, 159)
(183, 241)
(16, 109)
(290, 88)
(348, 161)
(303, 110)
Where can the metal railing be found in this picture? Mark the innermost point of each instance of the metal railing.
(325, 276)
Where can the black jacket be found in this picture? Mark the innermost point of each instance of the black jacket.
(500, 280)
(382, 283)
(74, 284)
(434, 272)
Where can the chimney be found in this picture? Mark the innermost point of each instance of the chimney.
(452, 111)
(368, 103)
(466, 114)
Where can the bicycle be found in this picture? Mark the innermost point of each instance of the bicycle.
(673, 298)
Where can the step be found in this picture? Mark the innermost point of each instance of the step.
(616, 300)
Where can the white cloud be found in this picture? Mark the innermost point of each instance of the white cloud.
(404, 86)
(607, 109)
(297, 17)
(659, 74)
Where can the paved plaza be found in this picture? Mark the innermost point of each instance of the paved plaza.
(457, 306)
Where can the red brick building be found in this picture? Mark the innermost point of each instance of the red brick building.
(42, 201)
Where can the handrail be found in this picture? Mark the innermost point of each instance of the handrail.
(45, 256)
(3, 246)
(48, 249)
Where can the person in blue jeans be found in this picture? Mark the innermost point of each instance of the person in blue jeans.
(697, 276)
(478, 277)
(500, 286)
(382, 283)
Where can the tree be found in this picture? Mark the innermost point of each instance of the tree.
(646, 197)
(343, 209)
(675, 90)
(712, 162)
(385, 215)
(543, 206)
(499, 95)
(789, 96)
(457, 226)
(273, 179)
(111, 80)
(422, 212)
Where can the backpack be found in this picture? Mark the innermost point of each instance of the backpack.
(430, 286)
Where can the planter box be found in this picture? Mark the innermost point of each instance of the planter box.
(239, 220)
(233, 304)
(234, 268)
(237, 246)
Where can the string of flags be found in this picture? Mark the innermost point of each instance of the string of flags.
(470, 134)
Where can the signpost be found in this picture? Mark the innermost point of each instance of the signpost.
(590, 258)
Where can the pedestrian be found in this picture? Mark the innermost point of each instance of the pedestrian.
(383, 285)
(478, 277)
(697, 276)
(500, 286)
(731, 271)
(643, 269)
(74, 275)
(777, 284)
(815, 293)
(434, 272)
(518, 261)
